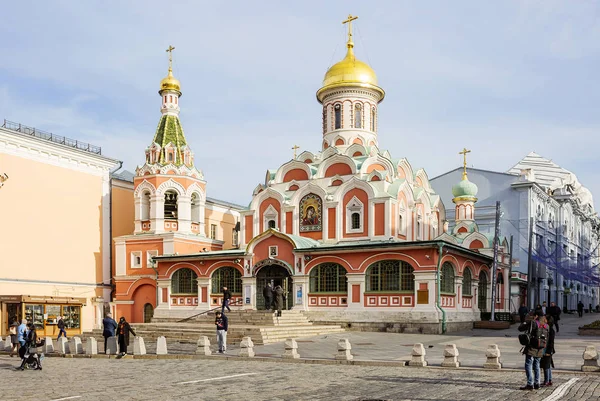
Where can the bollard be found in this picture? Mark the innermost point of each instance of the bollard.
(48, 345)
(111, 346)
(247, 348)
(450, 356)
(139, 347)
(75, 346)
(493, 357)
(161, 345)
(203, 347)
(62, 346)
(590, 360)
(418, 356)
(8, 346)
(344, 348)
(3, 344)
(91, 346)
(291, 349)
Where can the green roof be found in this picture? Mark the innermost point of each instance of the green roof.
(169, 130)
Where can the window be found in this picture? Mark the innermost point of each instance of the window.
(234, 238)
(390, 275)
(229, 277)
(145, 205)
(170, 205)
(358, 116)
(482, 290)
(271, 223)
(213, 231)
(447, 279)
(467, 282)
(184, 282)
(338, 116)
(195, 208)
(328, 277)
(355, 221)
(170, 156)
(136, 260)
(418, 229)
(354, 216)
(373, 119)
(149, 255)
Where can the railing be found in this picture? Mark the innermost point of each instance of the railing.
(51, 137)
(207, 311)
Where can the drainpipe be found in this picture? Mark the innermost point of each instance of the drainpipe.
(110, 227)
(438, 301)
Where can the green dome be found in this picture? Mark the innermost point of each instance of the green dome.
(464, 189)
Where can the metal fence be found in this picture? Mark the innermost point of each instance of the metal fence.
(52, 137)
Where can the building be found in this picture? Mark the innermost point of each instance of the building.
(546, 203)
(54, 230)
(352, 234)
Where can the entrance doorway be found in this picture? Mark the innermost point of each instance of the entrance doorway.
(148, 313)
(276, 275)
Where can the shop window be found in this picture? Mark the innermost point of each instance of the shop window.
(71, 316)
(35, 314)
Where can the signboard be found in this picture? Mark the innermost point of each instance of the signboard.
(299, 294)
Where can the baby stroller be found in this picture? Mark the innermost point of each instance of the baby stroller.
(30, 357)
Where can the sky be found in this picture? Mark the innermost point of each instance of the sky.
(501, 78)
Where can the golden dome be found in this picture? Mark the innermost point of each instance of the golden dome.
(350, 72)
(170, 83)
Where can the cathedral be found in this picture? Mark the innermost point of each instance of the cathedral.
(353, 234)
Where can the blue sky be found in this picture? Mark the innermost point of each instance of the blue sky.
(502, 78)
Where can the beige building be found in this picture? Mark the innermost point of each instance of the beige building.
(54, 230)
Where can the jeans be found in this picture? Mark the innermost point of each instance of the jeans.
(222, 340)
(529, 361)
(225, 305)
(547, 375)
(61, 332)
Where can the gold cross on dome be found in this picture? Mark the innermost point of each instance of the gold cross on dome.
(170, 51)
(349, 22)
(464, 153)
(296, 147)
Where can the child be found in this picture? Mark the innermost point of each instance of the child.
(547, 363)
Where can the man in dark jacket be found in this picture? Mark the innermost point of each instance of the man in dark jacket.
(268, 295)
(533, 353)
(523, 311)
(221, 322)
(554, 312)
(226, 298)
(61, 328)
(580, 308)
(109, 327)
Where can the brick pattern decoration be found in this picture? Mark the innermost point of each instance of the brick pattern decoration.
(146, 225)
(215, 300)
(184, 300)
(448, 301)
(315, 300)
(467, 302)
(389, 300)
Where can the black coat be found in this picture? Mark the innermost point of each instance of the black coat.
(123, 330)
(554, 311)
(61, 324)
(547, 362)
(278, 297)
(268, 292)
(222, 323)
(523, 310)
(226, 295)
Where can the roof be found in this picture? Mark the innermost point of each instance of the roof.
(546, 171)
(124, 175)
(474, 169)
(209, 254)
(225, 203)
(169, 130)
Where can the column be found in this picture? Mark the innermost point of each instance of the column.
(203, 292)
(184, 214)
(458, 282)
(425, 293)
(356, 290)
(157, 213)
(249, 293)
(164, 294)
(300, 294)
(138, 202)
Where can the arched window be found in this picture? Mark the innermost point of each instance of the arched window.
(195, 208)
(328, 277)
(170, 205)
(483, 291)
(358, 116)
(373, 119)
(145, 215)
(390, 275)
(229, 277)
(447, 279)
(356, 221)
(337, 111)
(271, 223)
(467, 282)
(184, 282)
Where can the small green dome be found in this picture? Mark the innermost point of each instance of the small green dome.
(465, 189)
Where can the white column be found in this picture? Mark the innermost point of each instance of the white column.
(356, 279)
(428, 278)
(249, 291)
(301, 284)
(184, 214)
(459, 291)
(106, 239)
(120, 259)
(203, 282)
(138, 201)
(164, 303)
(157, 213)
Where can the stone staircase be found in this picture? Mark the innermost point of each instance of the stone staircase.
(263, 327)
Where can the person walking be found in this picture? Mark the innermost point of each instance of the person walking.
(123, 330)
(21, 332)
(221, 322)
(29, 348)
(544, 308)
(580, 308)
(523, 311)
(534, 350)
(278, 299)
(268, 295)
(61, 328)
(226, 298)
(554, 312)
(14, 342)
(108, 329)
(547, 363)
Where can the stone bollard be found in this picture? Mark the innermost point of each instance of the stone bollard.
(7, 345)
(291, 349)
(418, 356)
(91, 346)
(62, 346)
(2, 343)
(203, 347)
(343, 350)
(161, 345)
(247, 348)
(450, 357)
(139, 347)
(112, 347)
(590, 360)
(48, 345)
(493, 357)
(75, 346)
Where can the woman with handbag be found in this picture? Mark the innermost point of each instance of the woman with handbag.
(547, 363)
(13, 338)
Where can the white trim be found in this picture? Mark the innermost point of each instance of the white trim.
(354, 206)
(133, 262)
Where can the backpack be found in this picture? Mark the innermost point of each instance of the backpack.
(540, 339)
(525, 338)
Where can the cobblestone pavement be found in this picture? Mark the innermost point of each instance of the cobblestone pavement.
(220, 379)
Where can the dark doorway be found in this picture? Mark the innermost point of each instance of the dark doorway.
(148, 313)
(483, 291)
(276, 275)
